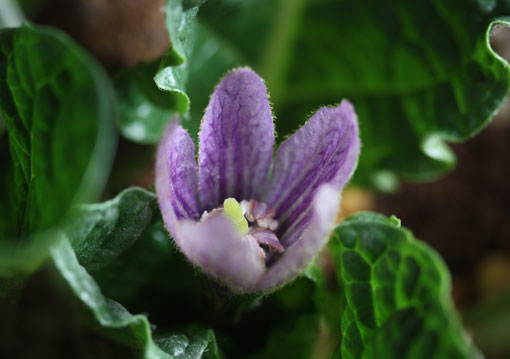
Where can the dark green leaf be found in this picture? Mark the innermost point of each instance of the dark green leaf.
(150, 94)
(302, 342)
(143, 108)
(149, 275)
(180, 18)
(418, 73)
(115, 321)
(173, 73)
(58, 109)
(99, 239)
(146, 273)
(100, 232)
(398, 294)
(123, 244)
(199, 345)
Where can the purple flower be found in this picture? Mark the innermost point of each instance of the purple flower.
(288, 205)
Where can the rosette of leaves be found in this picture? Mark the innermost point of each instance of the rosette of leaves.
(383, 294)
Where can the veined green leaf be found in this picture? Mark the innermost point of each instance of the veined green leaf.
(115, 321)
(180, 21)
(418, 72)
(100, 232)
(398, 294)
(92, 245)
(180, 18)
(58, 145)
(150, 94)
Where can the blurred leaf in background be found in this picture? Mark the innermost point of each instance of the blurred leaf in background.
(146, 105)
(490, 325)
(418, 73)
(398, 294)
(58, 146)
(144, 109)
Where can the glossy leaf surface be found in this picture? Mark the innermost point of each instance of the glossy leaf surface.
(99, 235)
(418, 73)
(58, 145)
(398, 294)
(143, 108)
(150, 94)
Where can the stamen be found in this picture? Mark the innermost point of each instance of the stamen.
(259, 212)
(232, 210)
(253, 220)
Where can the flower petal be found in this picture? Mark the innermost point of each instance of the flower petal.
(300, 254)
(267, 238)
(176, 177)
(219, 250)
(236, 140)
(324, 150)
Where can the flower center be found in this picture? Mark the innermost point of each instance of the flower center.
(254, 220)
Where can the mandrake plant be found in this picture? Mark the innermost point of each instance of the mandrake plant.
(238, 248)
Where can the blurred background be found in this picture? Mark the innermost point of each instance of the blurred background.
(465, 215)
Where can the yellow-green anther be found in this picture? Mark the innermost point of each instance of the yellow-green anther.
(233, 211)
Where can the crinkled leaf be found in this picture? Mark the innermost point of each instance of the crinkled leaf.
(398, 294)
(100, 232)
(421, 74)
(94, 246)
(174, 69)
(124, 247)
(200, 344)
(180, 18)
(418, 73)
(115, 321)
(147, 104)
(149, 94)
(123, 244)
(58, 109)
(147, 274)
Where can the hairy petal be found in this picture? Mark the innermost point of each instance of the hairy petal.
(324, 150)
(300, 254)
(176, 177)
(220, 251)
(236, 140)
